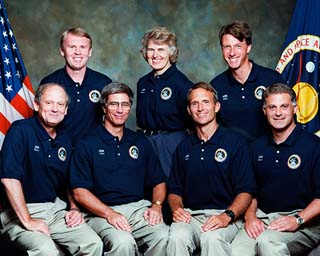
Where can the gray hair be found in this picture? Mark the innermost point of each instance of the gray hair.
(115, 87)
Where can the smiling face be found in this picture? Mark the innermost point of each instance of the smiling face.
(116, 110)
(202, 107)
(234, 52)
(52, 106)
(158, 56)
(76, 50)
(280, 111)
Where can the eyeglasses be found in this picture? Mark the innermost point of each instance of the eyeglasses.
(115, 105)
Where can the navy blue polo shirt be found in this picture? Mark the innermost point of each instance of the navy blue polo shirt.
(84, 112)
(209, 175)
(288, 174)
(41, 163)
(162, 101)
(115, 171)
(241, 104)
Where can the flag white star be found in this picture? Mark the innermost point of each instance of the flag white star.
(7, 61)
(14, 47)
(2, 20)
(4, 33)
(18, 74)
(9, 88)
(6, 48)
(8, 74)
(10, 33)
(16, 60)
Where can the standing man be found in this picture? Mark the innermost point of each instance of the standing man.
(35, 159)
(109, 172)
(241, 86)
(211, 182)
(162, 95)
(284, 217)
(82, 83)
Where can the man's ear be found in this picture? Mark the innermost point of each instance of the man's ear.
(188, 109)
(61, 52)
(217, 107)
(35, 106)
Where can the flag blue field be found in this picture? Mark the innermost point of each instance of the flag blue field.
(299, 62)
(16, 93)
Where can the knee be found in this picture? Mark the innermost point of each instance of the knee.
(211, 237)
(180, 233)
(270, 241)
(93, 246)
(162, 233)
(121, 241)
(47, 248)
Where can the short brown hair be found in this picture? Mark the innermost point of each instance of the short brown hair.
(205, 86)
(239, 30)
(279, 88)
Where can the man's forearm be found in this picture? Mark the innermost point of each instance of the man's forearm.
(16, 198)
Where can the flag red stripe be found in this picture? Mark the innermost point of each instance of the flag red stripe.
(4, 124)
(28, 84)
(21, 106)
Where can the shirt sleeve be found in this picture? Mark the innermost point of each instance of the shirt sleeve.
(175, 182)
(13, 153)
(80, 172)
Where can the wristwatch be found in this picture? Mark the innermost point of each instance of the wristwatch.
(157, 202)
(299, 219)
(230, 214)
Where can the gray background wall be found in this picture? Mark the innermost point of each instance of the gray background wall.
(117, 27)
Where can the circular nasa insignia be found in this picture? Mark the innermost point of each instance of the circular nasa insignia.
(62, 154)
(258, 92)
(294, 161)
(94, 96)
(134, 152)
(166, 93)
(220, 155)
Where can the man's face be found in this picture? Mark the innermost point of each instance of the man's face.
(202, 107)
(279, 111)
(158, 56)
(117, 110)
(52, 107)
(76, 51)
(234, 52)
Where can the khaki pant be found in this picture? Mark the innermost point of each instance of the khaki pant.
(152, 240)
(185, 239)
(80, 240)
(275, 243)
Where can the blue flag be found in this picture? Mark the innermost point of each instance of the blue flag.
(299, 62)
(16, 93)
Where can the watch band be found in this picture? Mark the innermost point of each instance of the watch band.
(299, 219)
(230, 214)
(157, 202)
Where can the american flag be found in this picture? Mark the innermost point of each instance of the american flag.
(16, 93)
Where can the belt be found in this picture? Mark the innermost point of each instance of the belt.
(152, 132)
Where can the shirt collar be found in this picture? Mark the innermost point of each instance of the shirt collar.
(71, 80)
(252, 76)
(108, 137)
(290, 141)
(39, 129)
(215, 138)
(166, 75)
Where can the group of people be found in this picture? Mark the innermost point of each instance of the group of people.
(239, 176)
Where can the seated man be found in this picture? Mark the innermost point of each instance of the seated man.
(284, 217)
(109, 172)
(211, 181)
(35, 158)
